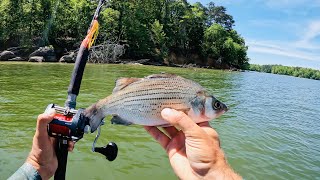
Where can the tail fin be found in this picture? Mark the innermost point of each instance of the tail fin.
(95, 116)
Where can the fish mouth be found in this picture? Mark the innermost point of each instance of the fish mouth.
(224, 108)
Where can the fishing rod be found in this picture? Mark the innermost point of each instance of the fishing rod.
(70, 124)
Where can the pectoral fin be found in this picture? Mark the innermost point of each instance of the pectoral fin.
(118, 120)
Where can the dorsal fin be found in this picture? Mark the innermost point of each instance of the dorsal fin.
(121, 83)
(163, 75)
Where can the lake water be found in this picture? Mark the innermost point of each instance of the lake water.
(272, 130)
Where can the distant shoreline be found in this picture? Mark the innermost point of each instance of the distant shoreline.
(125, 62)
(300, 72)
(287, 70)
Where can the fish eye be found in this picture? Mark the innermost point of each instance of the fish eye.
(217, 105)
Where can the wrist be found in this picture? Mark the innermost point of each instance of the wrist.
(221, 169)
(26, 171)
(43, 171)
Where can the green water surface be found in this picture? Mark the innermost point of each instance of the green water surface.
(272, 130)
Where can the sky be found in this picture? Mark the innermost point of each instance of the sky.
(285, 32)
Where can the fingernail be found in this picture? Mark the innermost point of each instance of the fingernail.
(166, 112)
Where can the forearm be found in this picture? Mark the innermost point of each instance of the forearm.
(26, 171)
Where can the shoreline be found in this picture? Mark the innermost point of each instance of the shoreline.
(136, 64)
(129, 63)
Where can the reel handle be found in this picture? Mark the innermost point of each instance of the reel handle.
(110, 151)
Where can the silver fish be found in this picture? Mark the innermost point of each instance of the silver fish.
(140, 101)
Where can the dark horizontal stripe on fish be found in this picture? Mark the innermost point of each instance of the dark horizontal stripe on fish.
(127, 99)
(144, 99)
(123, 97)
(154, 104)
(154, 87)
(144, 90)
(153, 108)
(149, 99)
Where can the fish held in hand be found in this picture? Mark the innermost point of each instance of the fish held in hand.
(141, 100)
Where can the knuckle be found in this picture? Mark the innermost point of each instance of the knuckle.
(180, 117)
(215, 137)
(40, 116)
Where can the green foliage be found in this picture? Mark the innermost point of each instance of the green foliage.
(225, 46)
(159, 39)
(109, 23)
(12, 14)
(150, 28)
(44, 22)
(286, 70)
(217, 14)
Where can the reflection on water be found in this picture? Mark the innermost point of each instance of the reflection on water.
(272, 130)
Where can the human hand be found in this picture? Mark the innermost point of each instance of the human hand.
(194, 152)
(42, 156)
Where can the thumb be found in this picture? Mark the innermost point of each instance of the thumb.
(43, 121)
(180, 119)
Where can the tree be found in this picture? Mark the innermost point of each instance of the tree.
(195, 24)
(149, 29)
(217, 14)
(286, 70)
(12, 11)
(109, 23)
(159, 39)
(226, 47)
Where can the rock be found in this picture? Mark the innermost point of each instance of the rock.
(36, 59)
(51, 59)
(141, 61)
(70, 58)
(233, 69)
(22, 52)
(43, 51)
(190, 65)
(16, 59)
(5, 55)
(46, 52)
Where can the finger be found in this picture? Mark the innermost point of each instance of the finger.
(209, 130)
(159, 136)
(172, 131)
(70, 145)
(181, 120)
(43, 120)
(54, 141)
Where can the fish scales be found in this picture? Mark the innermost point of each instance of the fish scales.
(139, 90)
(150, 96)
(141, 100)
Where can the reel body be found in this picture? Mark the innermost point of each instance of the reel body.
(70, 124)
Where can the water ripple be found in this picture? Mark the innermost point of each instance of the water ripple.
(272, 130)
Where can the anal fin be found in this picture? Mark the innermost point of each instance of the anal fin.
(118, 120)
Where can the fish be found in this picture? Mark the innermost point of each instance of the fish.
(141, 100)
